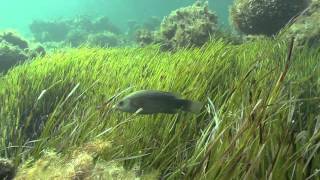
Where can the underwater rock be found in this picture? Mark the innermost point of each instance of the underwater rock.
(103, 24)
(144, 37)
(75, 31)
(132, 24)
(143, 33)
(7, 169)
(264, 16)
(306, 29)
(187, 27)
(14, 39)
(152, 23)
(37, 51)
(76, 37)
(44, 31)
(52, 46)
(132, 28)
(14, 49)
(104, 39)
(80, 23)
(10, 55)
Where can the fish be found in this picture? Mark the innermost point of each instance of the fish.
(154, 102)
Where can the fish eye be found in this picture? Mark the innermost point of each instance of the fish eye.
(121, 103)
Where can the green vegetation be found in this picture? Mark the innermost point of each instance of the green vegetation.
(261, 121)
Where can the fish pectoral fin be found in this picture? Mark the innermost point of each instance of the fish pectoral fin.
(137, 105)
(139, 110)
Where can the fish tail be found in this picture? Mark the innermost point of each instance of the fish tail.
(192, 106)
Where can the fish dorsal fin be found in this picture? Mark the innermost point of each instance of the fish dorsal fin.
(150, 91)
(176, 95)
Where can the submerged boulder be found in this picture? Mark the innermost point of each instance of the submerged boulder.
(44, 31)
(187, 27)
(36, 51)
(152, 23)
(14, 39)
(81, 22)
(102, 24)
(76, 37)
(14, 50)
(74, 31)
(264, 17)
(10, 55)
(104, 39)
(7, 169)
(144, 37)
(306, 28)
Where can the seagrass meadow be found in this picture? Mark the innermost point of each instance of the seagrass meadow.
(261, 119)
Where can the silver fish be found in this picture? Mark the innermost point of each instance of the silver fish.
(153, 102)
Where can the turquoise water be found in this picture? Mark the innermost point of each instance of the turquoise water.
(18, 14)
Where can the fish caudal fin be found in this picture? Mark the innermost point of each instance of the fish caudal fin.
(193, 106)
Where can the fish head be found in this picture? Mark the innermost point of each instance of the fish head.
(125, 105)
